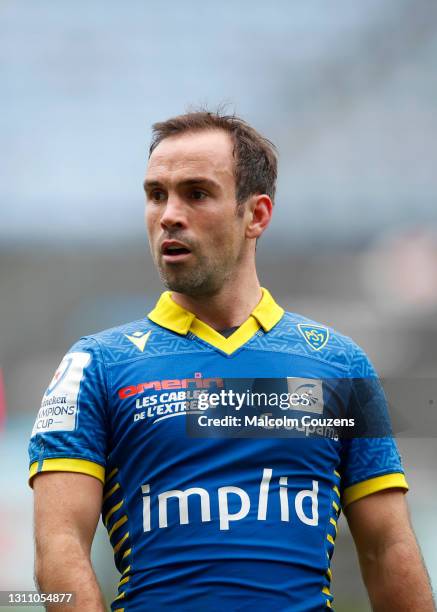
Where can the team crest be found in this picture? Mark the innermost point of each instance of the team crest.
(316, 335)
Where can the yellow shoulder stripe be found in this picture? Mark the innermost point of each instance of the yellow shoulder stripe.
(373, 485)
(81, 466)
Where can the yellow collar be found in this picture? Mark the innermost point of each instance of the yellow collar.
(168, 314)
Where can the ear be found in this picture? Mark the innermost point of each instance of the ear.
(259, 210)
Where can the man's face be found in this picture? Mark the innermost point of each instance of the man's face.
(196, 237)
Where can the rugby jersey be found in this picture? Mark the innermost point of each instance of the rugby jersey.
(204, 521)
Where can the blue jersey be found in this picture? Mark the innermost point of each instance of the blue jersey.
(195, 522)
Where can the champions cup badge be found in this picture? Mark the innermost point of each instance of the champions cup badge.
(59, 375)
(315, 335)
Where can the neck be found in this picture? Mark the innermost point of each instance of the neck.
(228, 307)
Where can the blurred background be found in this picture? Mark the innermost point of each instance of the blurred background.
(347, 91)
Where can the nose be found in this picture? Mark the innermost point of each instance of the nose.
(173, 214)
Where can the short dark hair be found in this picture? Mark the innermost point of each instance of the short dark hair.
(256, 163)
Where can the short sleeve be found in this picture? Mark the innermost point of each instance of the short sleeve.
(71, 428)
(369, 464)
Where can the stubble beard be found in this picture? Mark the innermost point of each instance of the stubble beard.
(205, 279)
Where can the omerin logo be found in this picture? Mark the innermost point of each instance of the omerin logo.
(226, 517)
(170, 384)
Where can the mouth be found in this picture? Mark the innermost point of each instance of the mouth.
(173, 251)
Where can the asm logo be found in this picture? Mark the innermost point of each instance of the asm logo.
(315, 335)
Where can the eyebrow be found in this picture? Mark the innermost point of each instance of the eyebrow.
(186, 183)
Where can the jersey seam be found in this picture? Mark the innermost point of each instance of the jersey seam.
(332, 497)
(128, 586)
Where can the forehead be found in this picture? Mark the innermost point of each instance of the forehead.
(209, 152)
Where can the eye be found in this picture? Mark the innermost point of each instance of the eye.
(198, 194)
(157, 195)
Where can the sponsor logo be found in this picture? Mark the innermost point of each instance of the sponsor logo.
(171, 383)
(157, 400)
(311, 389)
(58, 412)
(175, 397)
(139, 339)
(161, 406)
(306, 504)
(315, 335)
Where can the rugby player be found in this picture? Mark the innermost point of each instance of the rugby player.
(199, 523)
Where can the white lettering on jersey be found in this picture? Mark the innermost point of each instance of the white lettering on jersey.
(298, 504)
(182, 497)
(264, 495)
(225, 516)
(59, 404)
(283, 497)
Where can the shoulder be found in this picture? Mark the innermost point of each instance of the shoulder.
(322, 342)
(118, 343)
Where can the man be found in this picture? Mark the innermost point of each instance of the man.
(198, 523)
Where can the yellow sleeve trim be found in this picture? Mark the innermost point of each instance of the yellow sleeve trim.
(373, 485)
(82, 466)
